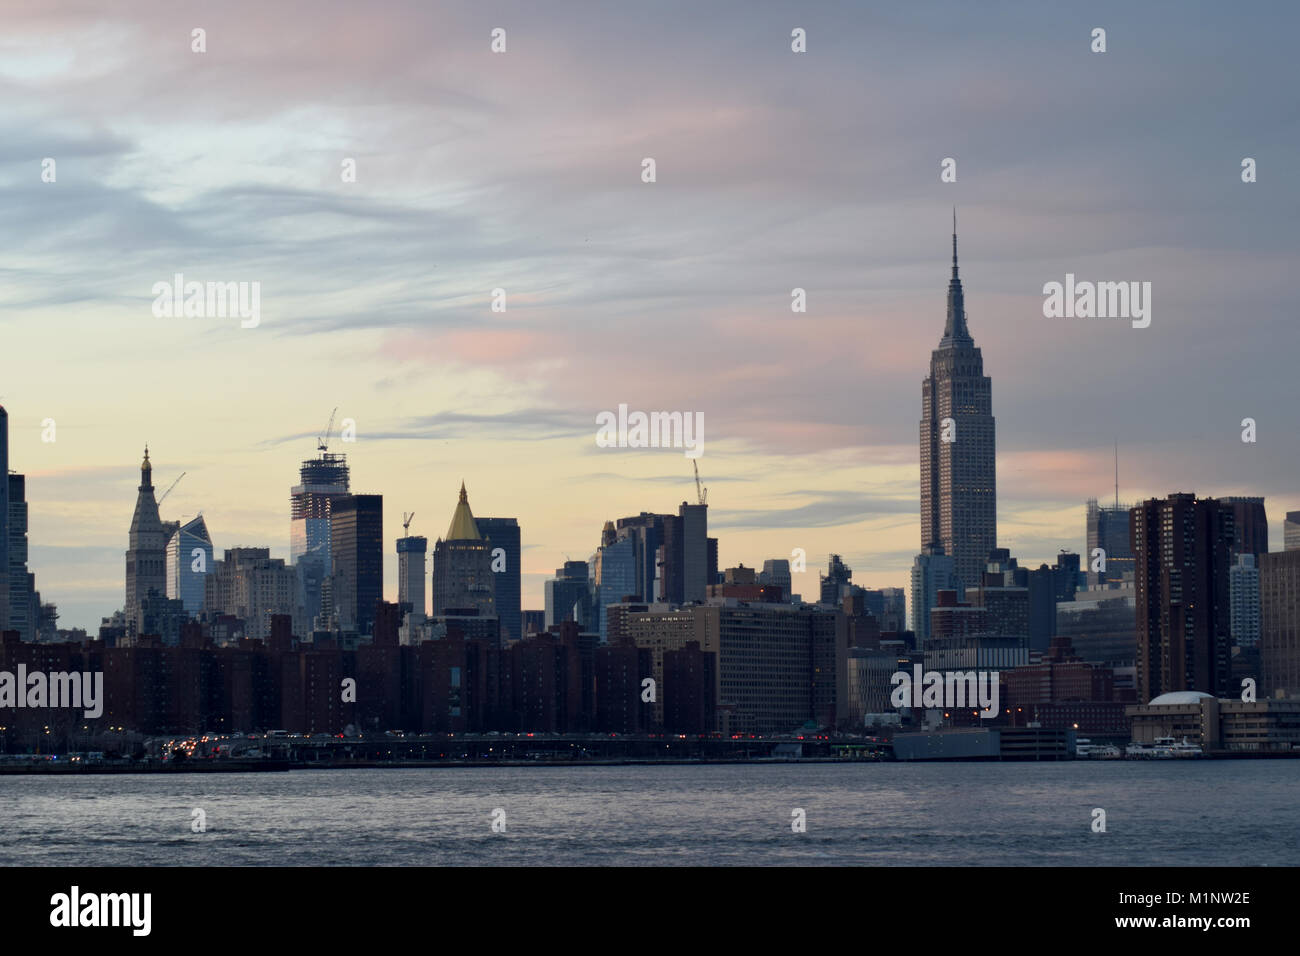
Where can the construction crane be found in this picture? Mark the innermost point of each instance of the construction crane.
(170, 487)
(700, 492)
(406, 522)
(323, 439)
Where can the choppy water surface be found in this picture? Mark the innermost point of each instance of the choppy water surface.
(1179, 813)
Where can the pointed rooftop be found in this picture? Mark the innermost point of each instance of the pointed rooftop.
(463, 527)
(955, 332)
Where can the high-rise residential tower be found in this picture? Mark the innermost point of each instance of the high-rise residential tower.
(1291, 531)
(958, 472)
(1182, 546)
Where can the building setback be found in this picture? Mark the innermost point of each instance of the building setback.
(462, 566)
(146, 554)
(958, 443)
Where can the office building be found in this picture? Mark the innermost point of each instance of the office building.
(932, 572)
(1279, 624)
(958, 468)
(835, 581)
(616, 574)
(503, 534)
(776, 573)
(356, 561)
(1291, 531)
(1249, 525)
(568, 596)
(1107, 530)
(250, 585)
(411, 551)
(146, 555)
(321, 480)
(462, 566)
(189, 559)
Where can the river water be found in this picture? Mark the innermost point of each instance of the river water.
(1178, 813)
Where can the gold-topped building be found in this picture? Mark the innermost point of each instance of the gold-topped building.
(462, 566)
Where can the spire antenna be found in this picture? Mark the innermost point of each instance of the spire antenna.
(954, 242)
(1117, 474)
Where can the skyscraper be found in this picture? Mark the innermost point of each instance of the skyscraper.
(253, 586)
(684, 555)
(647, 532)
(320, 480)
(1243, 578)
(356, 559)
(1182, 546)
(1291, 531)
(615, 574)
(568, 596)
(189, 560)
(958, 470)
(1250, 525)
(410, 575)
(1279, 637)
(838, 576)
(1107, 529)
(462, 566)
(503, 533)
(146, 555)
(932, 572)
(4, 518)
(23, 601)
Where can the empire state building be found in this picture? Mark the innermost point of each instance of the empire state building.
(958, 476)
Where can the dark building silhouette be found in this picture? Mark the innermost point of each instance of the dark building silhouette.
(689, 690)
(357, 556)
(1182, 547)
(1250, 526)
(1279, 631)
(838, 576)
(503, 533)
(619, 671)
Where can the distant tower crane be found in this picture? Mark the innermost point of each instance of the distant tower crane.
(406, 522)
(700, 492)
(170, 487)
(323, 439)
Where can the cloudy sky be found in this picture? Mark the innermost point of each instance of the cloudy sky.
(522, 170)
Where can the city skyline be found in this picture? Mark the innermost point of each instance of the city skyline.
(677, 298)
